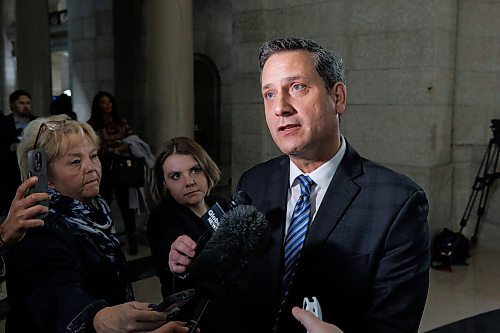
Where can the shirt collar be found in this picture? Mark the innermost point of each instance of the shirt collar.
(323, 175)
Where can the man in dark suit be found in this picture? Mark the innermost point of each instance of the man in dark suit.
(11, 127)
(365, 253)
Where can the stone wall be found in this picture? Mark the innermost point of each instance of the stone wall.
(422, 85)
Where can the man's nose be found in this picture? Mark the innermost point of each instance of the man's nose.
(282, 106)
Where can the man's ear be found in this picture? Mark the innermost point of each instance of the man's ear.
(339, 94)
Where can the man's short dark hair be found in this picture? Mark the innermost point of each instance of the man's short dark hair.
(328, 64)
(16, 94)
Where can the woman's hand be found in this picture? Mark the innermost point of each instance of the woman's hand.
(182, 251)
(312, 323)
(23, 213)
(173, 327)
(131, 317)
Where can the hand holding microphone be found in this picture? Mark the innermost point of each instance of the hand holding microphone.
(183, 249)
(181, 252)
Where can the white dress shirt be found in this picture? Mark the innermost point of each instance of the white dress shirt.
(322, 177)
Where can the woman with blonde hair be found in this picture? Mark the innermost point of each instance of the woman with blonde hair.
(70, 275)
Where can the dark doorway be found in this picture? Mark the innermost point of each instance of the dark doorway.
(207, 105)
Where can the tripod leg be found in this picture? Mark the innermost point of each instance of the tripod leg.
(489, 178)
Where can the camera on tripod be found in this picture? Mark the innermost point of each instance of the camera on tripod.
(495, 127)
(485, 176)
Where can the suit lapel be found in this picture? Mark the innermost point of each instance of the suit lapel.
(276, 197)
(338, 197)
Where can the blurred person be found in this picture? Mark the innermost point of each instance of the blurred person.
(112, 128)
(70, 275)
(11, 128)
(62, 105)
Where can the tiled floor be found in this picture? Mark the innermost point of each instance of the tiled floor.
(462, 293)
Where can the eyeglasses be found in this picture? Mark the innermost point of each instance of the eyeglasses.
(52, 125)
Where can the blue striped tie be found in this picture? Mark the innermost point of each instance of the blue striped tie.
(296, 232)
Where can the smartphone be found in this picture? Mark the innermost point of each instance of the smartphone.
(37, 166)
(174, 303)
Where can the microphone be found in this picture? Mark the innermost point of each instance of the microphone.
(223, 264)
(211, 219)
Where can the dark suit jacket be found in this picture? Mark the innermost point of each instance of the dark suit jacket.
(366, 255)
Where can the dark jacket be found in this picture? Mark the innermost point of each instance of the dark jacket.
(167, 221)
(58, 280)
(365, 257)
(10, 177)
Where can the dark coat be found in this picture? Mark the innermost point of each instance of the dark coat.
(167, 221)
(366, 255)
(58, 280)
(10, 177)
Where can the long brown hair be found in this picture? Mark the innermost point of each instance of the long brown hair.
(182, 146)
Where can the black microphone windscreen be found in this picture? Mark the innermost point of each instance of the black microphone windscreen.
(239, 198)
(242, 235)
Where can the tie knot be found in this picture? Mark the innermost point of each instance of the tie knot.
(305, 184)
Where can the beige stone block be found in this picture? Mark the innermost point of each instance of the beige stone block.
(388, 15)
(398, 134)
(479, 53)
(479, 18)
(248, 90)
(252, 5)
(401, 86)
(403, 49)
(313, 20)
(248, 119)
(249, 27)
(245, 57)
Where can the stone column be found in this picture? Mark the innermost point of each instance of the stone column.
(33, 53)
(170, 96)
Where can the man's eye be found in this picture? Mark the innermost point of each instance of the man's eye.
(297, 87)
(269, 95)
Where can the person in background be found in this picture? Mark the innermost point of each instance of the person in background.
(347, 230)
(70, 275)
(112, 129)
(183, 176)
(11, 127)
(62, 105)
